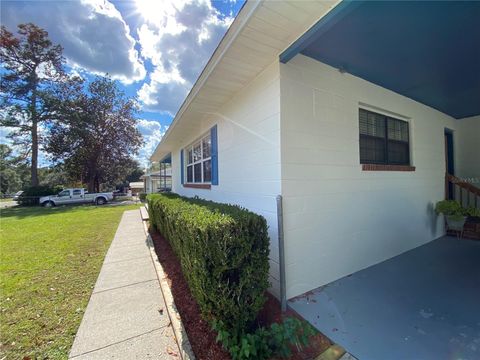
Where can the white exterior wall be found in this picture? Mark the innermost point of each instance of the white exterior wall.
(466, 141)
(339, 219)
(248, 130)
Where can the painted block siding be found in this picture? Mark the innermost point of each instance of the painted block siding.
(248, 155)
(294, 131)
(338, 218)
(466, 142)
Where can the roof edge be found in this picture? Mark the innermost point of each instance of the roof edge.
(228, 38)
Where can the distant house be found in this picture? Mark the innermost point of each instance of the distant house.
(158, 177)
(136, 187)
(353, 112)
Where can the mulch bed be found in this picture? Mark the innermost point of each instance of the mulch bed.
(201, 336)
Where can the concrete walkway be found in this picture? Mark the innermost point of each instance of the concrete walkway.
(126, 317)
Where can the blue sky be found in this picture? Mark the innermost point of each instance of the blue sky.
(155, 49)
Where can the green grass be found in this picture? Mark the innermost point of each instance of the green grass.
(49, 262)
(6, 199)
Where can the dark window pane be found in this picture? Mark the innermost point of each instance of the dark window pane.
(197, 173)
(207, 171)
(190, 173)
(206, 143)
(398, 153)
(372, 150)
(374, 143)
(397, 130)
(371, 124)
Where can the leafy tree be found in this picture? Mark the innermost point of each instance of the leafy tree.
(32, 65)
(55, 176)
(13, 172)
(135, 173)
(96, 135)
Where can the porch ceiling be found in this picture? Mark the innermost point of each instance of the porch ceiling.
(427, 51)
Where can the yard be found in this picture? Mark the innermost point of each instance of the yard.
(49, 262)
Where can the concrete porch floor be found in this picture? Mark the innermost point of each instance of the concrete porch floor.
(423, 304)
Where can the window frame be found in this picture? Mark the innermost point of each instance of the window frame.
(386, 140)
(200, 161)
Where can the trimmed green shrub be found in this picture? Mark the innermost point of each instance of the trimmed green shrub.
(32, 194)
(223, 251)
(454, 209)
(142, 196)
(264, 343)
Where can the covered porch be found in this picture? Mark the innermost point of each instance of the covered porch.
(417, 61)
(158, 176)
(423, 304)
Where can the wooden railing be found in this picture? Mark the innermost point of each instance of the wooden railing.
(464, 192)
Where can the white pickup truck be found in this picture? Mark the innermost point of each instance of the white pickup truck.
(75, 196)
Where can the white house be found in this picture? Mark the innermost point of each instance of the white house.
(348, 110)
(158, 177)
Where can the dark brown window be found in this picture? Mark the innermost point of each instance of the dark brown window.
(383, 139)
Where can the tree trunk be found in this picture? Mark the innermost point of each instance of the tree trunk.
(91, 185)
(92, 175)
(34, 162)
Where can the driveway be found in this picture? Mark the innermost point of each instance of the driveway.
(423, 304)
(7, 204)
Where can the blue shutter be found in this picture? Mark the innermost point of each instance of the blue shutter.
(213, 137)
(182, 167)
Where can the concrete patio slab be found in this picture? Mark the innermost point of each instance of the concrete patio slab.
(126, 317)
(420, 305)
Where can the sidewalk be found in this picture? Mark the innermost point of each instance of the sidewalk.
(126, 317)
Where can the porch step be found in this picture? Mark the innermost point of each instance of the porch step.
(335, 352)
(144, 213)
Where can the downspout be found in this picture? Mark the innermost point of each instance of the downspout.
(281, 255)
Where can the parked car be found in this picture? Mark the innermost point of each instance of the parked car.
(75, 196)
(17, 195)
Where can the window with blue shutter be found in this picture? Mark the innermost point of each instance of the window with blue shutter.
(200, 160)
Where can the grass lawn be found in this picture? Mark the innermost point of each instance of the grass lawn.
(6, 199)
(49, 262)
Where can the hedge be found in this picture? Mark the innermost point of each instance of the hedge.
(31, 195)
(223, 251)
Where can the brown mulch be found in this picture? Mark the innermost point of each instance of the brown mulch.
(200, 334)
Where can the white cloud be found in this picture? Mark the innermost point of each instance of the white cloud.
(178, 38)
(152, 132)
(4, 132)
(92, 32)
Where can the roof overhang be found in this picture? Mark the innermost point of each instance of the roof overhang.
(167, 159)
(259, 34)
(428, 51)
